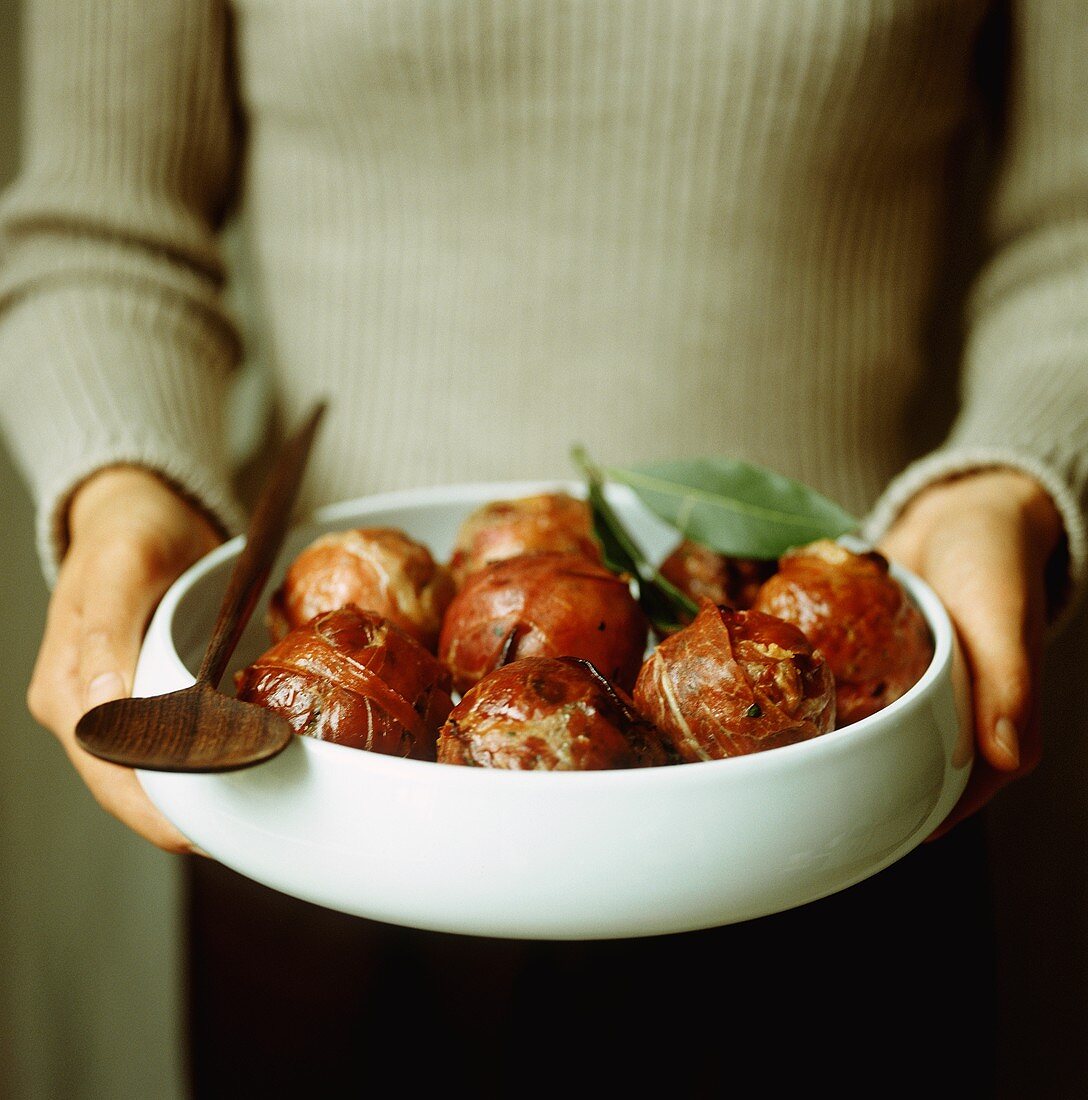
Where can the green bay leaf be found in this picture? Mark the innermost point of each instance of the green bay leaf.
(664, 605)
(735, 507)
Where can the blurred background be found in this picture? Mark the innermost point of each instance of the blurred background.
(90, 916)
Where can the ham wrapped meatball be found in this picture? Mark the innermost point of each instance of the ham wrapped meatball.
(378, 569)
(543, 605)
(548, 714)
(735, 682)
(549, 523)
(352, 677)
(701, 573)
(857, 614)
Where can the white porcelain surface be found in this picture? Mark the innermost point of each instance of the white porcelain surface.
(558, 855)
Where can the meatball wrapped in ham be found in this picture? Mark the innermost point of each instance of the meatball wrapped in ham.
(701, 573)
(378, 569)
(548, 523)
(543, 605)
(352, 677)
(857, 614)
(735, 682)
(548, 714)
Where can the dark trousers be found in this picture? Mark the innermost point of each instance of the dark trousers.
(882, 989)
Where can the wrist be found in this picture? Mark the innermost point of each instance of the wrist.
(1004, 491)
(103, 488)
(131, 499)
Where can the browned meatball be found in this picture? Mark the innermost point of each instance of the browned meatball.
(858, 616)
(352, 677)
(548, 714)
(549, 523)
(728, 582)
(378, 569)
(543, 605)
(735, 682)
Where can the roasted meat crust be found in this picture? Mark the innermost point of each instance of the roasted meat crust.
(735, 682)
(543, 605)
(379, 569)
(548, 714)
(548, 523)
(354, 678)
(851, 608)
(704, 574)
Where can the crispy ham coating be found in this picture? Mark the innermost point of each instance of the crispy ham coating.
(547, 523)
(351, 677)
(857, 614)
(543, 605)
(735, 682)
(548, 714)
(377, 569)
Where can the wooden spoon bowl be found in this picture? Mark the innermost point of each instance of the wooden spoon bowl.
(197, 729)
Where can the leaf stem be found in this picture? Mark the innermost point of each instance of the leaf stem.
(664, 604)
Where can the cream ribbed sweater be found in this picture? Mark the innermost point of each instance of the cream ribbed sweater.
(490, 228)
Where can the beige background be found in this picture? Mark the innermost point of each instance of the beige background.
(89, 925)
(89, 929)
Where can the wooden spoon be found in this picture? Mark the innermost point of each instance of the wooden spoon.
(198, 729)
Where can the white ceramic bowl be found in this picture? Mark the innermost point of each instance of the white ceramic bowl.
(558, 854)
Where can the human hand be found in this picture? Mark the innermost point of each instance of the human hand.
(982, 542)
(131, 537)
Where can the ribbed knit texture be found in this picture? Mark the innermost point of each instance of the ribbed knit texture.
(490, 228)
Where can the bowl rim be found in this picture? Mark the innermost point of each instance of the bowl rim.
(826, 746)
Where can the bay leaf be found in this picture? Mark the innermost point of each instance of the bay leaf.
(663, 603)
(735, 507)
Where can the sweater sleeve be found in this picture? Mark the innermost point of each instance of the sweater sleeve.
(114, 345)
(1025, 373)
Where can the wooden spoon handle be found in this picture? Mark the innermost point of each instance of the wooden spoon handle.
(267, 527)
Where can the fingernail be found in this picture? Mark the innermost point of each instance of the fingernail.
(1007, 741)
(103, 688)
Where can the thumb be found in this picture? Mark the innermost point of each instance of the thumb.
(1001, 676)
(112, 626)
(984, 585)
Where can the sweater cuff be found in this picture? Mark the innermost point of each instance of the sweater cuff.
(101, 377)
(195, 484)
(952, 461)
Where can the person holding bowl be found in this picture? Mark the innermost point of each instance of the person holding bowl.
(488, 231)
